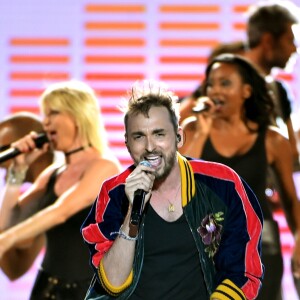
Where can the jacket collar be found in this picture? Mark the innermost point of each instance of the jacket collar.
(187, 180)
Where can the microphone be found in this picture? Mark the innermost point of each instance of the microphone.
(138, 202)
(203, 106)
(40, 140)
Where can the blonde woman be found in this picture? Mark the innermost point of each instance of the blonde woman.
(59, 200)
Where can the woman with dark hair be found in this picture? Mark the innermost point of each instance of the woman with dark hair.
(236, 130)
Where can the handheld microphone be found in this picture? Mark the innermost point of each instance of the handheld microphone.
(40, 140)
(138, 201)
(203, 106)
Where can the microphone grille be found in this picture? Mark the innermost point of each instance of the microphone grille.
(41, 140)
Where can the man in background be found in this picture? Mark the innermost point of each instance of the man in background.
(18, 260)
(271, 44)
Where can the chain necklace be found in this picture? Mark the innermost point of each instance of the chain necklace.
(171, 207)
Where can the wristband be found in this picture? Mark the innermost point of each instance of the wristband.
(123, 235)
(16, 177)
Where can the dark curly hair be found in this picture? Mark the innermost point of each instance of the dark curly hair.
(259, 107)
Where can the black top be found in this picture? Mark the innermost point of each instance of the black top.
(171, 267)
(66, 255)
(285, 102)
(251, 166)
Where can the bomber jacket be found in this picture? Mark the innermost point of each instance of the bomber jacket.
(211, 192)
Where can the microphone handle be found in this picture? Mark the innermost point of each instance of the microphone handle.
(40, 140)
(138, 202)
(137, 207)
(10, 153)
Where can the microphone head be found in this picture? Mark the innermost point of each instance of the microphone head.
(41, 139)
(200, 107)
(145, 163)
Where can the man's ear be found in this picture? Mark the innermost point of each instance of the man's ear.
(267, 42)
(179, 137)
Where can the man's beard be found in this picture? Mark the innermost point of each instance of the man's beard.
(169, 164)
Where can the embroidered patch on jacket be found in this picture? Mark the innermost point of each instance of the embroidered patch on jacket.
(210, 232)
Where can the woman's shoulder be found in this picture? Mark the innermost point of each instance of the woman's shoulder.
(43, 178)
(277, 144)
(105, 161)
(100, 167)
(275, 136)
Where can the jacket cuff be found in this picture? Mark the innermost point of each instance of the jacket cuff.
(111, 289)
(227, 290)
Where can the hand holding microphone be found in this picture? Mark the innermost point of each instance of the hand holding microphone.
(204, 104)
(140, 177)
(200, 121)
(138, 201)
(200, 107)
(24, 145)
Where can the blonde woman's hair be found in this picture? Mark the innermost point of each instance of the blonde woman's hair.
(78, 100)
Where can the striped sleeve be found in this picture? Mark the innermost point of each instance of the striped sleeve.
(105, 217)
(227, 290)
(239, 255)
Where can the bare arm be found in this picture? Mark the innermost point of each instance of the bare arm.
(17, 206)
(194, 136)
(280, 157)
(13, 209)
(196, 129)
(293, 142)
(186, 107)
(117, 262)
(18, 260)
(77, 197)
